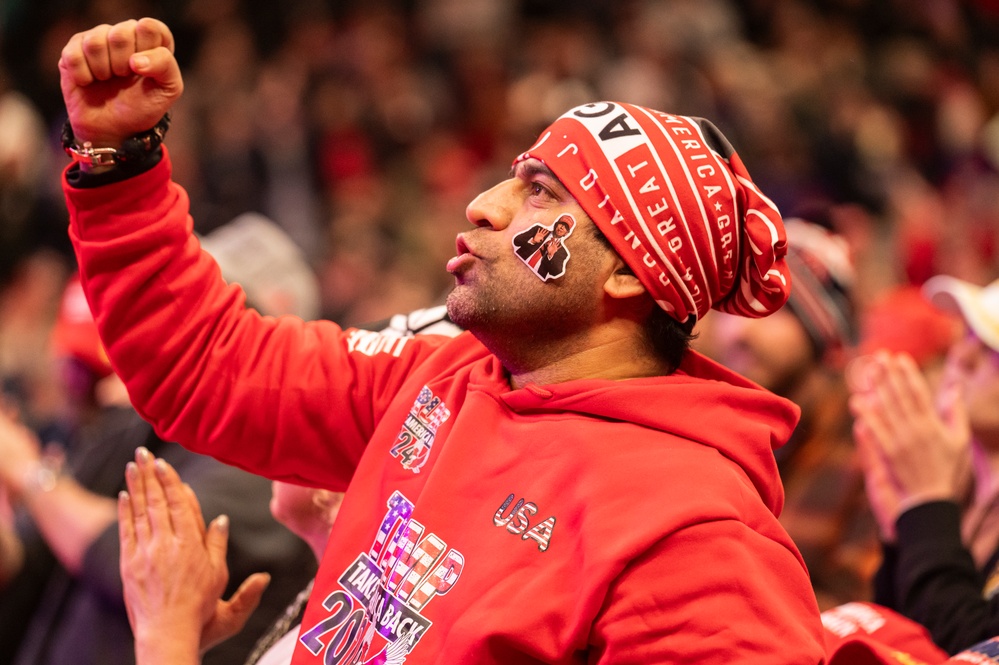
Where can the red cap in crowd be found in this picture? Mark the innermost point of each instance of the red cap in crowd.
(75, 332)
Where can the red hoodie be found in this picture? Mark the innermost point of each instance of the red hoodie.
(589, 521)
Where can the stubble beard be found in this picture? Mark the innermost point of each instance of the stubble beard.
(515, 326)
(472, 311)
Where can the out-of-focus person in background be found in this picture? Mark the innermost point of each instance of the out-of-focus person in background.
(61, 596)
(931, 462)
(903, 320)
(254, 252)
(799, 353)
(309, 513)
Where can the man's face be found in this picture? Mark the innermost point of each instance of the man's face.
(774, 351)
(976, 365)
(561, 229)
(496, 295)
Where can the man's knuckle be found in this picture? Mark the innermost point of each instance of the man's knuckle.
(93, 44)
(149, 27)
(72, 56)
(119, 39)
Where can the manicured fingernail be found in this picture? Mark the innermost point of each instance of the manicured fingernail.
(140, 62)
(161, 467)
(221, 523)
(132, 470)
(123, 496)
(142, 454)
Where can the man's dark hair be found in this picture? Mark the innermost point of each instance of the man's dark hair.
(668, 338)
(665, 336)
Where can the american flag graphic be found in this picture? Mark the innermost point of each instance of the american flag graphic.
(394, 527)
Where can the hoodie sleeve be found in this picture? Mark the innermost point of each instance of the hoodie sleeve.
(716, 592)
(930, 577)
(283, 398)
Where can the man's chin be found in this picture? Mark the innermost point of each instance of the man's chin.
(466, 309)
(459, 307)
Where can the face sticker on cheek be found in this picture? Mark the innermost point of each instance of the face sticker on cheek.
(543, 248)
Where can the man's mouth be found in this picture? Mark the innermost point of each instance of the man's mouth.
(463, 255)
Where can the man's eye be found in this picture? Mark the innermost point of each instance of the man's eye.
(538, 189)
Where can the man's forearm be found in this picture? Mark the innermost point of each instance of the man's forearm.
(69, 517)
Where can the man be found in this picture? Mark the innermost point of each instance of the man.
(565, 483)
(799, 353)
(932, 472)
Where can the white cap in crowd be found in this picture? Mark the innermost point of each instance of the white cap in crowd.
(977, 305)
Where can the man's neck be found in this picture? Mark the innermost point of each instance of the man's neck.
(601, 354)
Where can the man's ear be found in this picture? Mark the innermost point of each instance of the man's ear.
(622, 282)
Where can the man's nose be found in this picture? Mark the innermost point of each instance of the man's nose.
(493, 208)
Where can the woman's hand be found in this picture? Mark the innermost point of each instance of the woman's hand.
(174, 569)
(914, 448)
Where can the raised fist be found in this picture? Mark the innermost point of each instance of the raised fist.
(119, 80)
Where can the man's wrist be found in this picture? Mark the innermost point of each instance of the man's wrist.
(923, 497)
(101, 154)
(80, 177)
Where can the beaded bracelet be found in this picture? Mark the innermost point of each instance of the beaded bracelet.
(133, 149)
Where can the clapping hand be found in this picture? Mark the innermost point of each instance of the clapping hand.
(914, 448)
(174, 568)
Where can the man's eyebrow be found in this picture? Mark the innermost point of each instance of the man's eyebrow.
(534, 169)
